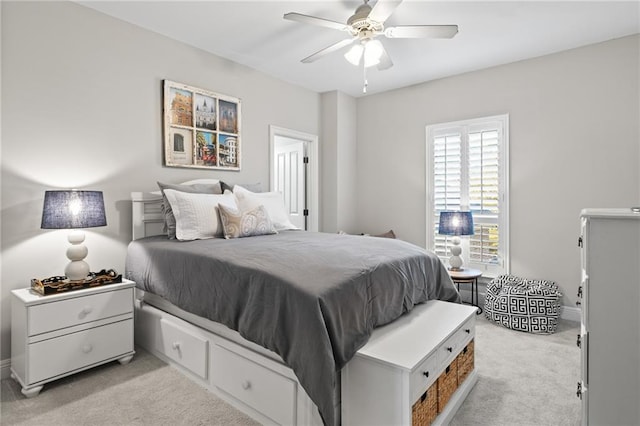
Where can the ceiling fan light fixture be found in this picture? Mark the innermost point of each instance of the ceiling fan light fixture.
(372, 53)
(354, 55)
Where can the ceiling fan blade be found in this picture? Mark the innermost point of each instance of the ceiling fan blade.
(336, 46)
(383, 9)
(421, 31)
(313, 20)
(385, 61)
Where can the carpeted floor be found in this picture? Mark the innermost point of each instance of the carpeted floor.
(524, 380)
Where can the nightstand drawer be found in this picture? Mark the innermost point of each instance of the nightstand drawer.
(64, 354)
(79, 310)
(261, 388)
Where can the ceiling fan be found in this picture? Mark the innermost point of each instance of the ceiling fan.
(364, 26)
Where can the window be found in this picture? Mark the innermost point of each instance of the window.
(467, 169)
(178, 143)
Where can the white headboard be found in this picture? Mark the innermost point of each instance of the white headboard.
(146, 214)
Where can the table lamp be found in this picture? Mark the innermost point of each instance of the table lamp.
(455, 223)
(72, 209)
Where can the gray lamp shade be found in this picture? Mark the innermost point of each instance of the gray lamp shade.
(455, 223)
(73, 209)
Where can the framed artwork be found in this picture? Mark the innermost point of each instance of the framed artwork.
(201, 128)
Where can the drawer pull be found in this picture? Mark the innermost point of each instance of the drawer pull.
(246, 385)
(425, 373)
(578, 303)
(467, 330)
(87, 348)
(85, 311)
(176, 346)
(450, 349)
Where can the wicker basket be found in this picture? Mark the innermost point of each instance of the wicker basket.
(447, 384)
(465, 362)
(425, 409)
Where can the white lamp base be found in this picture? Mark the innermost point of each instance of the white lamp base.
(455, 261)
(77, 269)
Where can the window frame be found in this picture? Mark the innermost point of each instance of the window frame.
(464, 127)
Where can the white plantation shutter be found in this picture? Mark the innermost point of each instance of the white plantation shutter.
(467, 170)
(447, 181)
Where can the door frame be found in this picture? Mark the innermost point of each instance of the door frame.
(312, 177)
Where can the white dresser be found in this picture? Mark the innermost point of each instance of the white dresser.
(609, 296)
(57, 335)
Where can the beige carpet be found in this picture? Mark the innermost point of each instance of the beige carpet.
(523, 380)
(144, 392)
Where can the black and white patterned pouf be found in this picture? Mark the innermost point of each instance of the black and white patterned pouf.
(523, 304)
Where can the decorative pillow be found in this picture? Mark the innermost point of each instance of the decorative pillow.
(273, 202)
(388, 234)
(197, 214)
(253, 187)
(238, 224)
(196, 187)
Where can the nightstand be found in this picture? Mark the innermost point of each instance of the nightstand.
(58, 335)
(468, 276)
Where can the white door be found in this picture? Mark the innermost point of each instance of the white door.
(289, 177)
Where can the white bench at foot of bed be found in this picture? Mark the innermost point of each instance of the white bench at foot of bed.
(427, 353)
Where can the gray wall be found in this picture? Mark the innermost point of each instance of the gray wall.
(81, 104)
(339, 161)
(574, 143)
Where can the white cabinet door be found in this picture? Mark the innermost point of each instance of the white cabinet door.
(611, 318)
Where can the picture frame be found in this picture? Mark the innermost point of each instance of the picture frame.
(201, 128)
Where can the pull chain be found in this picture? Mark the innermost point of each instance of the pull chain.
(364, 77)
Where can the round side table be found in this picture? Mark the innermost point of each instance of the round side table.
(468, 276)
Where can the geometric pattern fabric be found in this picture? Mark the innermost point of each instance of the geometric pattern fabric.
(522, 304)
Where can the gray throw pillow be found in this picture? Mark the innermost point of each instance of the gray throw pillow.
(253, 187)
(196, 188)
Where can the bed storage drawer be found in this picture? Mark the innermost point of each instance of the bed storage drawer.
(183, 347)
(255, 385)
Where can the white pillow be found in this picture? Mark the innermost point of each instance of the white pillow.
(197, 215)
(273, 202)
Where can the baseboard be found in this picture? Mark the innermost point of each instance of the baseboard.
(570, 313)
(5, 368)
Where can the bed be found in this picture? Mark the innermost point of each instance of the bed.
(307, 301)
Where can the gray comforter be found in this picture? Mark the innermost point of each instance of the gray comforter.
(313, 298)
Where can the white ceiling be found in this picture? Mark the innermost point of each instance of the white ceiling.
(254, 33)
